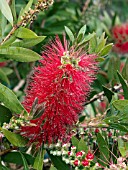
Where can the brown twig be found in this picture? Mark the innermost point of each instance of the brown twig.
(19, 85)
(16, 72)
(85, 6)
(99, 95)
(7, 151)
(29, 16)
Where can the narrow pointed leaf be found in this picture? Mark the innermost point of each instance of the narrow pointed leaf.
(15, 157)
(108, 93)
(120, 104)
(13, 9)
(6, 11)
(124, 85)
(81, 33)
(14, 139)
(3, 77)
(58, 163)
(3, 22)
(75, 141)
(106, 50)
(26, 167)
(125, 70)
(26, 9)
(87, 38)
(5, 115)
(69, 33)
(103, 147)
(19, 54)
(92, 44)
(122, 148)
(27, 43)
(38, 163)
(25, 33)
(9, 41)
(9, 99)
(82, 146)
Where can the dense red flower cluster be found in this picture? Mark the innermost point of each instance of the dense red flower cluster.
(120, 34)
(62, 83)
(2, 64)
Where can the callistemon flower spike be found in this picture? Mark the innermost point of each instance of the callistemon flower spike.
(61, 83)
(120, 35)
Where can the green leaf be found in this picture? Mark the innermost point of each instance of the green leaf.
(15, 157)
(9, 41)
(25, 33)
(13, 9)
(5, 115)
(26, 9)
(3, 23)
(27, 43)
(24, 162)
(104, 150)
(82, 118)
(9, 99)
(108, 93)
(69, 33)
(125, 110)
(100, 59)
(122, 147)
(118, 126)
(124, 85)
(125, 70)
(52, 168)
(38, 163)
(101, 45)
(113, 66)
(75, 141)
(82, 146)
(4, 77)
(58, 163)
(120, 104)
(92, 44)
(14, 139)
(6, 11)
(106, 50)
(19, 54)
(4, 168)
(7, 70)
(87, 38)
(81, 33)
(107, 20)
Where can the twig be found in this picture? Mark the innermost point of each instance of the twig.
(7, 150)
(99, 95)
(85, 6)
(19, 85)
(16, 72)
(29, 16)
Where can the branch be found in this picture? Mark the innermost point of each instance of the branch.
(29, 16)
(7, 150)
(85, 6)
(19, 85)
(99, 95)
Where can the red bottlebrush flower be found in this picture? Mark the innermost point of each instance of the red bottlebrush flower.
(2, 64)
(85, 162)
(120, 34)
(61, 82)
(90, 156)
